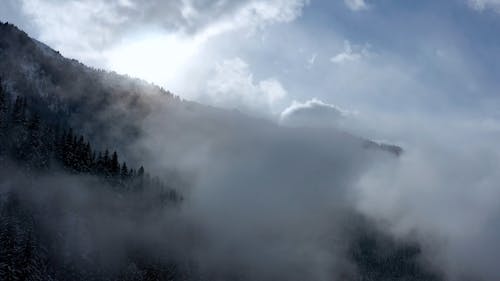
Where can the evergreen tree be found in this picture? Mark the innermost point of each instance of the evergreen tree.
(19, 110)
(100, 164)
(3, 106)
(124, 171)
(88, 158)
(140, 172)
(4, 111)
(107, 164)
(10, 253)
(37, 156)
(115, 165)
(68, 150)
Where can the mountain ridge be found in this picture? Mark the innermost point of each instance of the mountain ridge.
(261, 183)
(91, 92)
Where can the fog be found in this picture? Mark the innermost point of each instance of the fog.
(262, 202)
(265, 201)
(286, 193)
(270, 201)
(276, 201)
(445, 186)
(277, 196)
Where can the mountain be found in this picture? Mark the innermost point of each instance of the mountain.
(105, 106)
(205, 193)
(96, 103)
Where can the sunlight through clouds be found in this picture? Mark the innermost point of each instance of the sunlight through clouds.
(156, 58)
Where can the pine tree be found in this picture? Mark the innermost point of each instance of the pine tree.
(19, 110)
(68, 150)
(106, 158)
(4, 108)
(124, 171)
(9, 269)
(99, 167)
(59, 146)
(18, 134)
(30, 261)
(37, 156)
(115, 165)
(140, 172)
(87, 158)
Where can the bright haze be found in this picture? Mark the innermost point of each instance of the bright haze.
(419, 74)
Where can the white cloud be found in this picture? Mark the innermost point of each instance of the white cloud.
(154, 40)
(311, 60)
(314, 113)
(233, 85)
(485, 4)
(350, 55)
(273, 11)
(73, 27)
(273, 90)
(356, 5)
(79, 28)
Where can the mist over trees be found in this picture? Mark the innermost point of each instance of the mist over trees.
(72, 208)
(33, 148)
(36, 146)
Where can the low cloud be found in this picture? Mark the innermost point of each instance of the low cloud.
(233, 85)
(314, 113)
(443, 190)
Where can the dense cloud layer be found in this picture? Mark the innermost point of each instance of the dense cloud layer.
(265, 202)
(448, 191)
(292, 185)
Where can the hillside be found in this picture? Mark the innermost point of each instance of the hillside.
(106, 177)
(96, 103)
(105, 106)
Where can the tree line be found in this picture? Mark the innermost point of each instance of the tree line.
(38, 146)
(35, 140)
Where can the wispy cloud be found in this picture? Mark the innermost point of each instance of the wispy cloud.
(311, 60)
(350, 55)
(485, 4)
(356, 5)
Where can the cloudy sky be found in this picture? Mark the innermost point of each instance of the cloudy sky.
(399, 71)
(385, 61)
